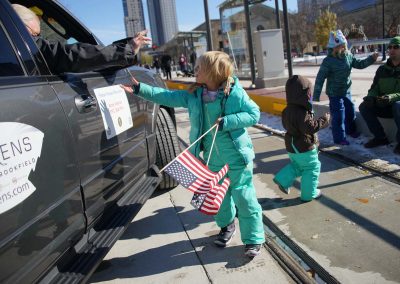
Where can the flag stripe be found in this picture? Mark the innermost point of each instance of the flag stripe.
(195, 166)
(214, 198)
(219, 175)
(197, 178)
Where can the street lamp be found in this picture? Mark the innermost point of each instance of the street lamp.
(287, 39)
(383, 31)
(278, 21)
(250, 42)
(208, 26)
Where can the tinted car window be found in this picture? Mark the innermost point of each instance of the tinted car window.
(56, 24)
(9, 64)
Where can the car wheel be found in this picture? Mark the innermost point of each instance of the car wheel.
(167, 146)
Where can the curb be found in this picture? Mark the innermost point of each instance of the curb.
(270, 100)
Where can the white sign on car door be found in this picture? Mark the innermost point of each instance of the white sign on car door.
(20, 148)
(115, 110)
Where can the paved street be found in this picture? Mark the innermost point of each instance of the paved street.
(352, 231)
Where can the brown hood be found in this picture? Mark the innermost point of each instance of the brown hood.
(296, 91)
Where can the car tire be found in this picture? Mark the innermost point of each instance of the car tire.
(167, 146)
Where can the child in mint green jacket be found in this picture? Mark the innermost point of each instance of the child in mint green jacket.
(336, 69)
(217, 97)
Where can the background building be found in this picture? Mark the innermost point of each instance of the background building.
(133, 17)
(216, 34)
(163, 20)
(308, 5)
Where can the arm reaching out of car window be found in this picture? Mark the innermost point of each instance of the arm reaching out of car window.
(81, 57)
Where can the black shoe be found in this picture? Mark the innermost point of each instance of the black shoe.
(355, 134)
(252, 250)
(284, 190)
(397, 149)
(375, 142)
(225, 236)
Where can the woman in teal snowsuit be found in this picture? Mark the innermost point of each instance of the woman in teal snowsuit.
(218, 98)
(336, 68)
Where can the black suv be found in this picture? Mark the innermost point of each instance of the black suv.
(78, 159)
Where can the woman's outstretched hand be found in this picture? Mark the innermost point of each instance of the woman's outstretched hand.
(129, 88)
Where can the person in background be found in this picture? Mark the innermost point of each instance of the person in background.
(182, 63)
(156, 65)
(336, 69)
(81, 57)
(166, 65)
(217, 97)
(383, 99)
(301, 140)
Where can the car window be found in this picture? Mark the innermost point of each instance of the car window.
(57, 24)
(9, 64)
(50, 28)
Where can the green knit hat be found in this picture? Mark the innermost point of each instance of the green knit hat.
(395, 40)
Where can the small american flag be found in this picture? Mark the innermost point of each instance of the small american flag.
(210, 202)
(196, 177)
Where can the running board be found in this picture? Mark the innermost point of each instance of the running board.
(100, 239)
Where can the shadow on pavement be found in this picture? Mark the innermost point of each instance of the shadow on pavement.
(135, 232)
(171, 257)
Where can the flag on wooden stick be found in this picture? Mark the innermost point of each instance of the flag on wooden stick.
(196, 177)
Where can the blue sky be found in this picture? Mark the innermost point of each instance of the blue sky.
(105, 18)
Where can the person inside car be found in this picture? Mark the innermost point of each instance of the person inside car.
(81, 57)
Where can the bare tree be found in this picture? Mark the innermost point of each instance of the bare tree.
(301, 31)
(392, 17)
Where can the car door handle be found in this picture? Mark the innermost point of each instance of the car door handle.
(85, 103)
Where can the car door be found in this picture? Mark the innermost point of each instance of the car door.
(107, 165)
(40, 199)
(110, 159)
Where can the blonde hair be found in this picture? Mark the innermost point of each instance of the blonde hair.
(217, 65)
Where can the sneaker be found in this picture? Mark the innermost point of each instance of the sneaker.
(225, 236)
(319, 194)
(252, 250)
(397, 149)
(284, 190)
(355, 134)
(375, 142)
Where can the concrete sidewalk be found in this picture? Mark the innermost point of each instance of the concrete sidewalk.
(380, 159)
(351, 231)
(170, 242)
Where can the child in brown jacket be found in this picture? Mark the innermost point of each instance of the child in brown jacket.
(301, 139)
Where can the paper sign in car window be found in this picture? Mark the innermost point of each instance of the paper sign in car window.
(115, 110)
(19, 151)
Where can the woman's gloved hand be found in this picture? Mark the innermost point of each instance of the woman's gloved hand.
(383, 101)
(220, 122)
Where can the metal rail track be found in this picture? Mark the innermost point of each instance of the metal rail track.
(390, 176)
(294, 260)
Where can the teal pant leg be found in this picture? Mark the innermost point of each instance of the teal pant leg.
(242, 194)
(287, 174)
(227, 211)
(310, 168)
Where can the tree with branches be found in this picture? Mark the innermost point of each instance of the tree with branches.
(301, 31)
(325, 23)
